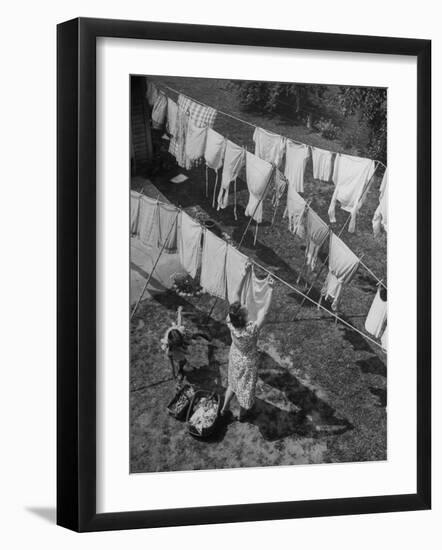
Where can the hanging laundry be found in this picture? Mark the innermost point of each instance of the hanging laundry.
(377, 316)
(295, 211)
(269, 146)
(280, 184)
(159, 112)
(190, 244)
(316, 231)
(178, 141)
(134, 211)
(343, 264)
(258, 174)
(213, 265)
(195, 144)
(168, 227)
(152, 92)
(384, 339)
(201, 115)
(256, 293)
(295, 161)
(172, 113)
(148, 221)
(322, 164)
(233, 162)
(236, 264)
(351, 176)
(380, 215)
(215, 149)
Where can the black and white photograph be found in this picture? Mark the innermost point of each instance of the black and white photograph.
(258, 274)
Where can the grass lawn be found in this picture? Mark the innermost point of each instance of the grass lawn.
(322, 388)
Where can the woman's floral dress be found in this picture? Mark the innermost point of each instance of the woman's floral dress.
(243, 362)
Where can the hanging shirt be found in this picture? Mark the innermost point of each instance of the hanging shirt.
(343, 264)
(148, 221)
(322, 163)
(380, 215)
(213, 265)
(377, 316)
(215, 149)
(172, 113)
(280, 184)
(258, 174)
(233, 162)
(134, 211)
(256, 294)
(152, 92)
(236, 263)
(201, 115)
(316, 231)
(295, 211)
(295, 160)
(178, 141)
(351, 176)
(190, 244)
(168, 227)
(195, 144)
(269, 146)
(159, 112)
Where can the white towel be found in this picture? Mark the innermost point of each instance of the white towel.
(295, 160)
(351, 176)
(190, 244)
(168, 227)
(148, 221)
(258, 173)
(215, 149)
(322, 163)
(269, 146)
(159, 112)
(256, 294)
(172, 113)
(316, 231)
(235, 271)
(213, 265)
(233, 162)
(295, 211)
(381, 213)
(195, 143)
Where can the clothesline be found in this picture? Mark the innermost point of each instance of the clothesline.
(378, 162)
(337, 318)
(242, 120)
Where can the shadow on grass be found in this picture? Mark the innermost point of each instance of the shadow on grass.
(381, 394)
(372, 365)
(313, 417)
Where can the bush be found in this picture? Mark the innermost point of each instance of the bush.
(327, 129)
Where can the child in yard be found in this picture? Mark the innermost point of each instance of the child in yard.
(176, 342)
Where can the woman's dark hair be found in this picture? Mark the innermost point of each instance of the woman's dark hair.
(175, 339)
(237, 315)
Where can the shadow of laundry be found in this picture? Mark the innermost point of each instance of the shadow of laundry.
(381, 394)
(372, 365)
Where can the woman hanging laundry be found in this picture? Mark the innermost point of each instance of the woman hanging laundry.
(243, 356)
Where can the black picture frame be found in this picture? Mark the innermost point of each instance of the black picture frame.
(76, 273)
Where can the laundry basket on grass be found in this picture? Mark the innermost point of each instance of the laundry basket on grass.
(203, 413)
(179, 404)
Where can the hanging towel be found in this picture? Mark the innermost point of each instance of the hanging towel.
(213, 265)
(343, 264)
(377, 316)
(322, 163)
(258, 174)
(295, 160)
(159, 112)
(256, 294)
(168, 227)
(316, 231)
(148, 221)
(190, 244)
(269, 146)
(152, 92)
(295, 211)
(233, 162)
(178, 142)
(380, 215)
(201, 115)
(195, 144)
(351, 176)
(134, 211)
(172, 114)
(280, 184)
(236, 263)
(215, 149)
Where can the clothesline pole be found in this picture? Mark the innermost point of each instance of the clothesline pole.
(154, 266)
(256, 208)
